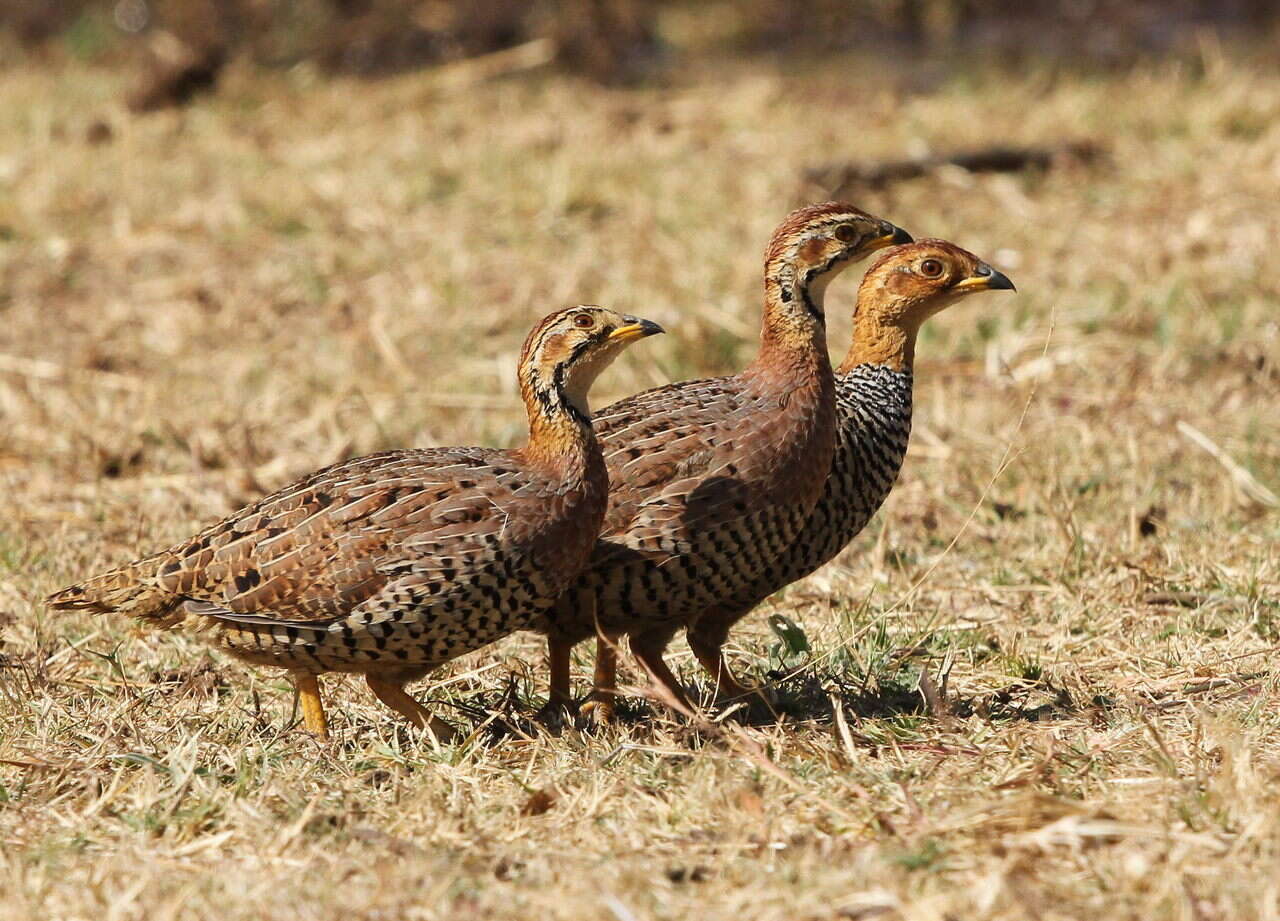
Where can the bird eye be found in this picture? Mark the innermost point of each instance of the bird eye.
(931, 268)
(583, 321)
(846, 233)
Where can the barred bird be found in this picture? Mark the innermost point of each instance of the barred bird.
(903, 288)
(391, 565)
(711, 481)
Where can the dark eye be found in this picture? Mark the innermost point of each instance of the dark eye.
(583, 321)
(931, 268)
(846, 233)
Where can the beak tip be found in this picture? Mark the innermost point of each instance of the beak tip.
(900, 237)
(638, 328)
(1000, 282)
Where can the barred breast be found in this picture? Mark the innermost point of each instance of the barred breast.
(873, 413)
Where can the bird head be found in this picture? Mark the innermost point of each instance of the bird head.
(810, 248)
(904, 287)
(565, 353)
(908, 284)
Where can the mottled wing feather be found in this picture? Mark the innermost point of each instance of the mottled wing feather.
(317, 549)
(664, 449)
(710, 481)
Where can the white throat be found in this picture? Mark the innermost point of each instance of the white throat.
(818, 287)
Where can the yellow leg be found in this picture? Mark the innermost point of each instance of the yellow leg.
(601, 702)
(707, 636)
(712, 658)
(393, 695)
(312, 707)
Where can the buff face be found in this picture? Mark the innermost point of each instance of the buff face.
(573, 349)
(911, 283)
(815, 244)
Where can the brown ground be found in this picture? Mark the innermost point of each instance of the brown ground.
(1081, 555)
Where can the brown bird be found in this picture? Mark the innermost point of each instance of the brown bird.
(392, 564)
(904, 287)
(711, 480)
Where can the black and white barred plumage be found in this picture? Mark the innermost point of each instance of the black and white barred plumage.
(873, 424)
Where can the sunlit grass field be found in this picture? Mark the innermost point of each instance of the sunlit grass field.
(1040, 685)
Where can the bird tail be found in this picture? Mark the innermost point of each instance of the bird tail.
(264, 639)
(126, 590)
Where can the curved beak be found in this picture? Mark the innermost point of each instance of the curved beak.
(890, 235)
(985, 278)
(635, 328)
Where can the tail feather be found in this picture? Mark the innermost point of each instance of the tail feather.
(125, 590)
(263, 639)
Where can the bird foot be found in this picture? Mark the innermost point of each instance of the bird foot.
(600, 710)
(556, 715)
(443, 732)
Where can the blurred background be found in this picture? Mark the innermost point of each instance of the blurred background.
(621, 42)
(611, 41)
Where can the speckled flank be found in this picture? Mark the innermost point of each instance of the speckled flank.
(391, 564)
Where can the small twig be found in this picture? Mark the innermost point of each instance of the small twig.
(49, 371)
(288, 835)
(1181, 599)
(934, 700)
(32, 765)
(842, 726)
(1243, 479)
(387, 348)
(484, 67)
(1171, 763)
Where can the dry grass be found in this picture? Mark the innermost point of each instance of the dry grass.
(215, 301)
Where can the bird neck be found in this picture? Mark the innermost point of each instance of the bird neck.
(877, 341)
(561, 439)
(793, 336)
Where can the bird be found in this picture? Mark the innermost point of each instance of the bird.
(903, 287)
(711, 480)
(393, 564)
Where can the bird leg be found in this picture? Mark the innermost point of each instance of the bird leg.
(557, 711)
(648, 648)
(600, 703)
(312, 707)
(393, 695)
(558, 650)
(712, 658)
(707, 638)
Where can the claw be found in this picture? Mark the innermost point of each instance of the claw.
(555, 716)
(601, 712)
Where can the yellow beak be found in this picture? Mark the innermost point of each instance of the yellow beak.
(893, 236)
(635, 328)
(985, 278)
